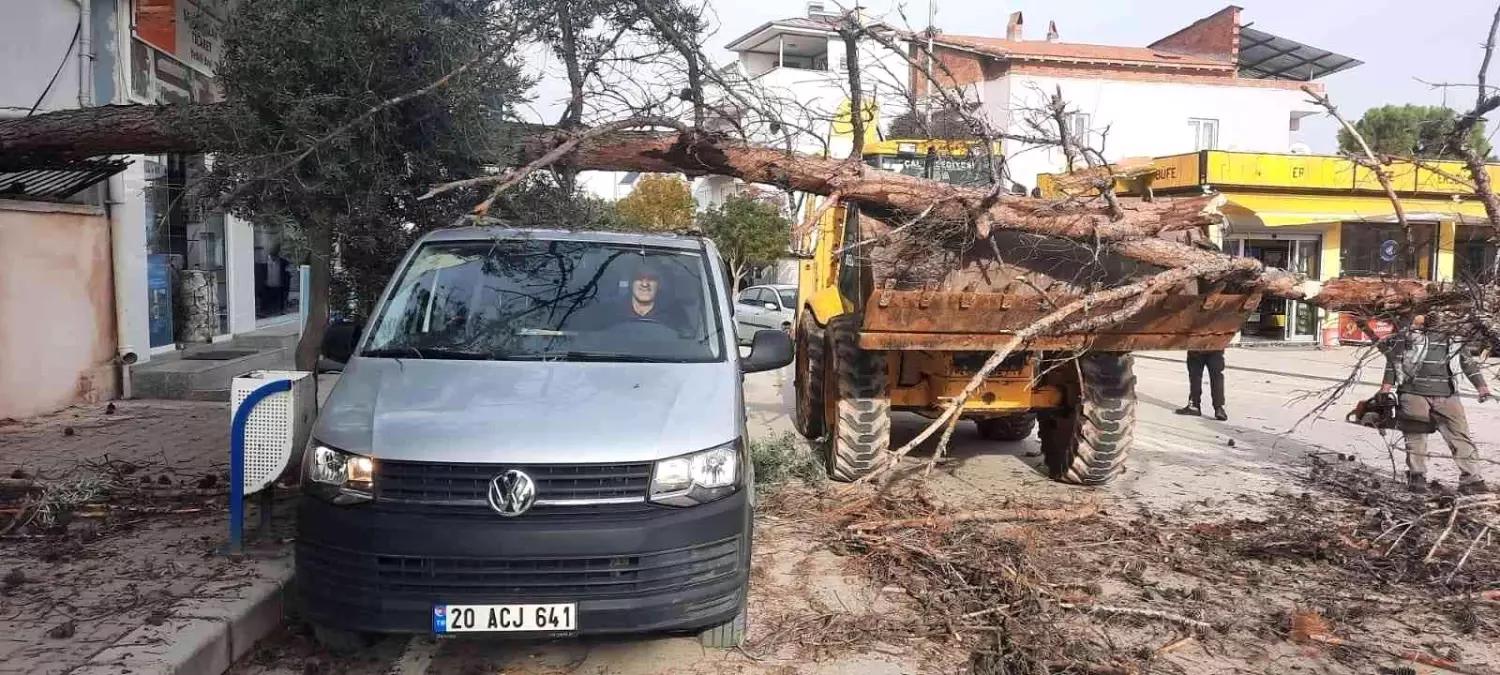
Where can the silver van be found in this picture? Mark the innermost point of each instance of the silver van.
(541, 433)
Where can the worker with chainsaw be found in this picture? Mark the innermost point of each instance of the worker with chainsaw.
(1422, 364)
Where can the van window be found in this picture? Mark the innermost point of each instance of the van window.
(529, 299)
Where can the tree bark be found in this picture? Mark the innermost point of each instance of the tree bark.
(108, 130)
(117, 130)
(148, 129)
(310, 344)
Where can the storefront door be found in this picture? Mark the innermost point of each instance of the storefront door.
(1302, 320)
(1277, 319)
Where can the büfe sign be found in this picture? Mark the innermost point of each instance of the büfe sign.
(191, 31)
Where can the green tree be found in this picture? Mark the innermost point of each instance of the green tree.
(298, 70)
(659, 203)
(1411, 131)
(748, 232)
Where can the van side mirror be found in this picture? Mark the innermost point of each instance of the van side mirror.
(769, 350)
(340, 339)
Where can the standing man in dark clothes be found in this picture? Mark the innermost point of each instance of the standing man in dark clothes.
(1196, 362)
(1420, 368)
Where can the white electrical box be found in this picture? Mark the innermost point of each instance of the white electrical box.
(278, 428)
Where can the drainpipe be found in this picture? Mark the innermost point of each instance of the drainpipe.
(85, 53)
(114, 205)
(125, 354)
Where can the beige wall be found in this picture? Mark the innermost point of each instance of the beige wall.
(57, 337)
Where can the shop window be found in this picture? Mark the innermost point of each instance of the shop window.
(1474, 253)
(1205, 133)
(1080, 125)
(1378, 249)
(187, 284)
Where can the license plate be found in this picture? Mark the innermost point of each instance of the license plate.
(504, 618)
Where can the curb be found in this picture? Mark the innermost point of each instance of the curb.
(206, 632)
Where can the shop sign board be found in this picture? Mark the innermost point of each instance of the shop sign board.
(1350, 331)
(190, 31)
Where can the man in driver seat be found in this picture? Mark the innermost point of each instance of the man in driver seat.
(644, 302)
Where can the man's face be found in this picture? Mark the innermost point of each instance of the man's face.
(643, 289)
(1419, 322)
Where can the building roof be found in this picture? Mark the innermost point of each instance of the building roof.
(1266, 56)
(822, 23)
(59, 179)
(1075, 52)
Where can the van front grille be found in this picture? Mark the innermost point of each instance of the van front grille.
(574, 488)
(458, 579)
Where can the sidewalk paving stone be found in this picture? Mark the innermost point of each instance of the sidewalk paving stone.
(133, 591)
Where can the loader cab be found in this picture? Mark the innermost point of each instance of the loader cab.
(954, 162)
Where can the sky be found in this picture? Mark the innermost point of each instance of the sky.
(1400, 41)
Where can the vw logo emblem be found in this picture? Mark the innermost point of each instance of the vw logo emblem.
(512, 493)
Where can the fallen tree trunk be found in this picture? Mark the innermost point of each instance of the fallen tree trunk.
(1139, 233)
(136, 129)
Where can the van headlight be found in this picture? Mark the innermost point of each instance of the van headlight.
(338, 476)
(697, 478)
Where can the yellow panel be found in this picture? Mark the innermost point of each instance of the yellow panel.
(918, 146)
(1176, 171)
(1432, 181)
(1302, 209)
(1403, 178)
(1447, 235)
(1296, 173)
(843, 120)
(993, 396)
(1290, 171)
(1047, 184)
(826, 303)
(1332, 263)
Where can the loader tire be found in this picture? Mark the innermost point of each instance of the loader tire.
(812, 361)
(1087, 442)
(858, 403)
(1008, 428)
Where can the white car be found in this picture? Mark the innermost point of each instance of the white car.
(764, 307)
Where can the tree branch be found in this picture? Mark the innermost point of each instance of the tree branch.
(1373, 163)
(563, 149)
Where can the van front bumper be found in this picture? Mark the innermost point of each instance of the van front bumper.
(360, 568)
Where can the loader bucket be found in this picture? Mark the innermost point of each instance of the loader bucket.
(945, 320)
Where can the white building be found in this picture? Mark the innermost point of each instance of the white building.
(1214, 85)
(793, 71)
(128, 300)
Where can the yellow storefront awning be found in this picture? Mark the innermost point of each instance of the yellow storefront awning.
(1276, 210)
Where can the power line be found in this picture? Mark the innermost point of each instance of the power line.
(77, 31)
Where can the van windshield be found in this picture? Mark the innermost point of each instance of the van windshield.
(532, 299)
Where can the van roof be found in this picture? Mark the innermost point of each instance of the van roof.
(625, 238)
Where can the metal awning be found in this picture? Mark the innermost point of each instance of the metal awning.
(1264, 56)
(59, 179)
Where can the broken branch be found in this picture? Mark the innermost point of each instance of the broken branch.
(1085, 511)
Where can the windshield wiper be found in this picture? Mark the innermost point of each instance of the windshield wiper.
(426, 353)
(582, 356)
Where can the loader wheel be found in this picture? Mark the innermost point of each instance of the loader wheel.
(858, 403)
(1008, 428)
(812, 349)
(1086, 442)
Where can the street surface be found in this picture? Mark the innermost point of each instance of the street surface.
(1191, 465)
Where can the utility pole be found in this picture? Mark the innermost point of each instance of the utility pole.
(931, 81)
